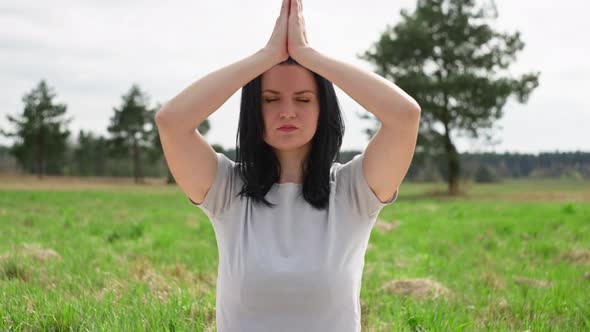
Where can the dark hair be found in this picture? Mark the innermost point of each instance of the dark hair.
(259, 166)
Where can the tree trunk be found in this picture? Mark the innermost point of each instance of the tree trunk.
(452, 155)
(137, 171)
(454, 167)
(39, 157)
(38, 169)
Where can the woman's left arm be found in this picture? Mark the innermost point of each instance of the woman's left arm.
(385, 100)
(389, 154)
(377, 95)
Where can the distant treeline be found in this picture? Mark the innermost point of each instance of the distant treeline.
(89, 157)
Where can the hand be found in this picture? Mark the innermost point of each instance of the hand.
(297, 38)
(277, 45)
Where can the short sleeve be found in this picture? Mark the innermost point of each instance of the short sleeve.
(220, 196)
(354, 190)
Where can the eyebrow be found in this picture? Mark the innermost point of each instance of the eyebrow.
(296, 93)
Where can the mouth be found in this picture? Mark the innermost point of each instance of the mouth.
(287, 128)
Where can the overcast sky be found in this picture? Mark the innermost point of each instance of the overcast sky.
(91, 52)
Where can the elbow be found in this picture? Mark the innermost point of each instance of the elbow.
(416, 107)
(158, 118)
(413, 111)
(161, 116)
(417, 111)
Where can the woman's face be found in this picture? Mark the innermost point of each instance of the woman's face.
(289, 97)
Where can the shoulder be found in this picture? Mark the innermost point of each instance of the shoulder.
(338, 168)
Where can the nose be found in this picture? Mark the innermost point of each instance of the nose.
(288, 111)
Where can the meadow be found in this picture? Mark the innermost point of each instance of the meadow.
(108, 255)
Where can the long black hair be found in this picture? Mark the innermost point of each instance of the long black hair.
(258, 164)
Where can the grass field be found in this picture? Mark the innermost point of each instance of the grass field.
(90, 255)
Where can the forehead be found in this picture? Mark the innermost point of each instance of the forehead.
(288, 79)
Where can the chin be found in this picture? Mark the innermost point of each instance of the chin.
(287, 147)
(291, 146)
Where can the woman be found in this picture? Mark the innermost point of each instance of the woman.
(292, 226)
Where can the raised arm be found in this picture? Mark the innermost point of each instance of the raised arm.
(191, 160)
(388, 155)
(187, 110)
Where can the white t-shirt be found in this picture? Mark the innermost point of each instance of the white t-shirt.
(291, 267)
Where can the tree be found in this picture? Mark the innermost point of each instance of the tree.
(90, 154)
(455, 65)
(41, 133)
(131, 129)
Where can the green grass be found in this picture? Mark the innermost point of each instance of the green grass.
(147, 260)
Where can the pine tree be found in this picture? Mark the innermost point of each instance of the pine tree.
(41, 133)
(131, 129)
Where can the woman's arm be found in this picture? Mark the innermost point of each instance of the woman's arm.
(389, 154)
(197, 102)
(191, 160)
(377, 95)
(193, 105)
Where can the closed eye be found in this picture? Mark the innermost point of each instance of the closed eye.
(302, 100)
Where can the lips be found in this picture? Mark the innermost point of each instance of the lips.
(287, 127)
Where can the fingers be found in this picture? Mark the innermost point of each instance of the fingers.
(285, 8)
(295, 7)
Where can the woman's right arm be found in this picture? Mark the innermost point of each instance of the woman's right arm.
(186, 111)
(191, 160)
